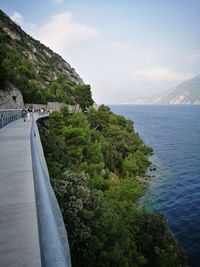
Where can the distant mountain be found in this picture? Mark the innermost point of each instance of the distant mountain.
(187, 92)
(147, 99)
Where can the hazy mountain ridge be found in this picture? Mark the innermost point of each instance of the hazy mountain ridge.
(187, 92)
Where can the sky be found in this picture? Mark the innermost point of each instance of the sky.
(125, 49)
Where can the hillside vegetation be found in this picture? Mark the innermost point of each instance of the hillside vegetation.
(94, 160)
(39, 73)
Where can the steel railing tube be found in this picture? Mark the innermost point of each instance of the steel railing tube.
(9, 115)
(54, 245)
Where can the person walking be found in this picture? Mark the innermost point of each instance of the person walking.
(24, 112)
(28, 115)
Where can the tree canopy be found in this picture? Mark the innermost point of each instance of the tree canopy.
(94, 159)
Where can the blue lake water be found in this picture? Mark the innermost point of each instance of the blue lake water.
(174, 134)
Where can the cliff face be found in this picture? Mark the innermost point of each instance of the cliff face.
(33, 66)
(187, 92)
(11, 97)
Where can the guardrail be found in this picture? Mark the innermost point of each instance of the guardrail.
(9, 115)
(54, 245)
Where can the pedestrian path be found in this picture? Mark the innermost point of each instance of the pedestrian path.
(19, 240)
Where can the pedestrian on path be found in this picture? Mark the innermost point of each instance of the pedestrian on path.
(28, 115)
(24, 112)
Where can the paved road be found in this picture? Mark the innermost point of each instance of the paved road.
(19, 241)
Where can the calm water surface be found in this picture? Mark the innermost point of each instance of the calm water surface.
(174, 134)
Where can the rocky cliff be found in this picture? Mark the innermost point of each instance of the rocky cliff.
(11, 97)
(39, 73)
(187, 92)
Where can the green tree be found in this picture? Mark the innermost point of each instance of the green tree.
(83, 96)
(155, 241)
(93, 159)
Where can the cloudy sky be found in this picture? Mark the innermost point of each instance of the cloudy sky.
(125, 49)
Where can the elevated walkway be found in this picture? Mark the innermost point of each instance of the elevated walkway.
(19, 239)
(32, 231)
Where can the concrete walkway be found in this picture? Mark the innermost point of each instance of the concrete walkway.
(19, 241)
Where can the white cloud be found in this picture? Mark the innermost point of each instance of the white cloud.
(161, 74)
(62, 32)
(17, 17)
(30, 28)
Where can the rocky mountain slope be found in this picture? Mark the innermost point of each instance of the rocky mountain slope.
(187, 92)
(39, 73)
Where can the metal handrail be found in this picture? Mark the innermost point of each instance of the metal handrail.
(9, 115)
(54, 245)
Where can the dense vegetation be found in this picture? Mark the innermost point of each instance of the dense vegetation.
(41, 75)
(22, 73)
(94, 160)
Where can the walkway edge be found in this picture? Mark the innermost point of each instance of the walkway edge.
(52, 233)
